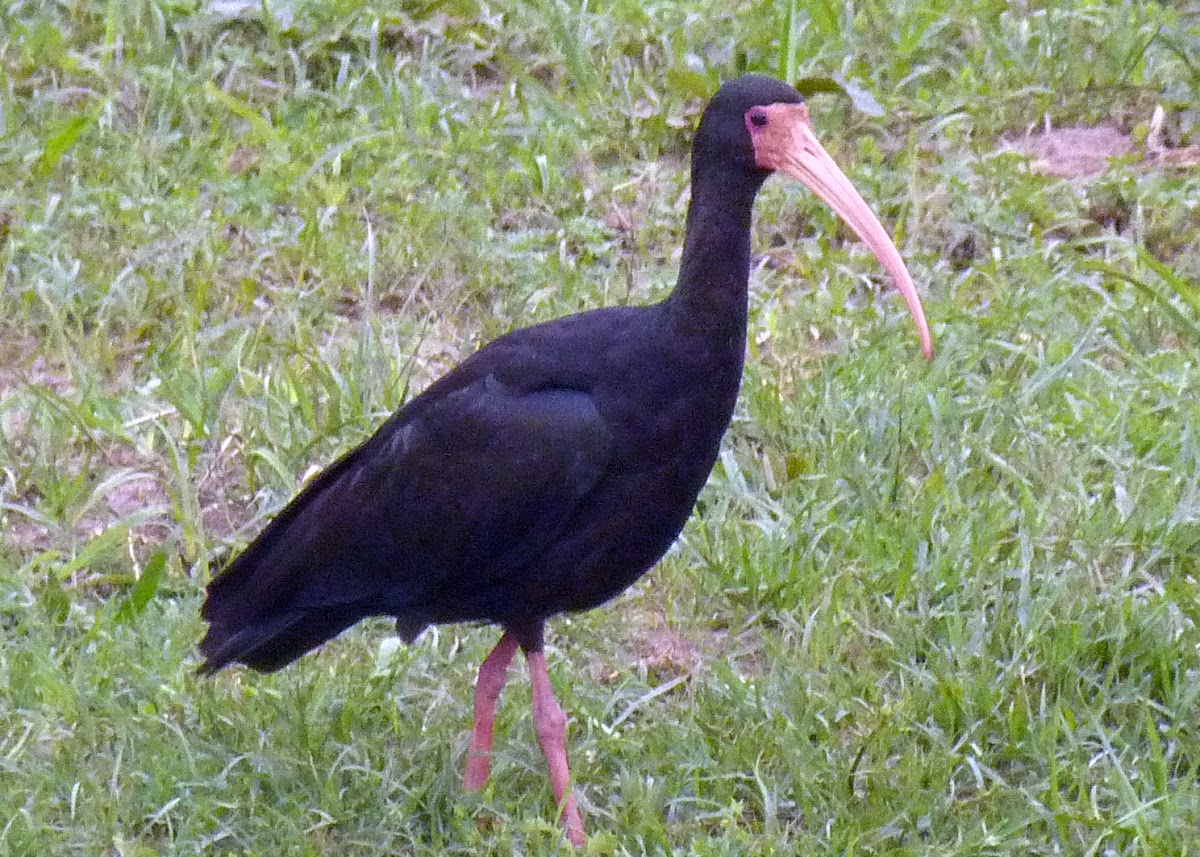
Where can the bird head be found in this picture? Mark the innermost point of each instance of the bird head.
(756, 126)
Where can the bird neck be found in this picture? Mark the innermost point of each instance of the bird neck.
(711, 295)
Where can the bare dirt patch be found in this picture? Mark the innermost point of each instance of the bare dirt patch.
(22, 362)
(1183, 158)
(1082, 152)
(139, 492)
(27, 536)
(654, 645)
(667, 652)
(1072, 152)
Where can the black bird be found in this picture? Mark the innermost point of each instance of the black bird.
(553, 467)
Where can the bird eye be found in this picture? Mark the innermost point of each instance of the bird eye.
(758, 119)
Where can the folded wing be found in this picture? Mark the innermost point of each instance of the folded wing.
(464, 486)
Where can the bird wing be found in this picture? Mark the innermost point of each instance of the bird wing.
(468, 482)
(487, 475)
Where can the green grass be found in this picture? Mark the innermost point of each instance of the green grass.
(944, 608)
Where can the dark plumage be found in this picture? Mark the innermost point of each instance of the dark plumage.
(544, 474)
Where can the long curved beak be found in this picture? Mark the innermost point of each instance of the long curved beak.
(786, 143)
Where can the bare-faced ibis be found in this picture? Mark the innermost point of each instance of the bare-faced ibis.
(553, 467)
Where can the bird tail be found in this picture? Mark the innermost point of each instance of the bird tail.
(272, 642)
(309, 575)
(270, 606)
(292, 588)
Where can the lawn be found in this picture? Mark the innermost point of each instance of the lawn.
(944, 608)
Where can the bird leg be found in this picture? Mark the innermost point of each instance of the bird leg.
(492, 674)
(551, 725)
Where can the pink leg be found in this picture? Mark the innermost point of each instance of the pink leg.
(551, 726)
(492, 674)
